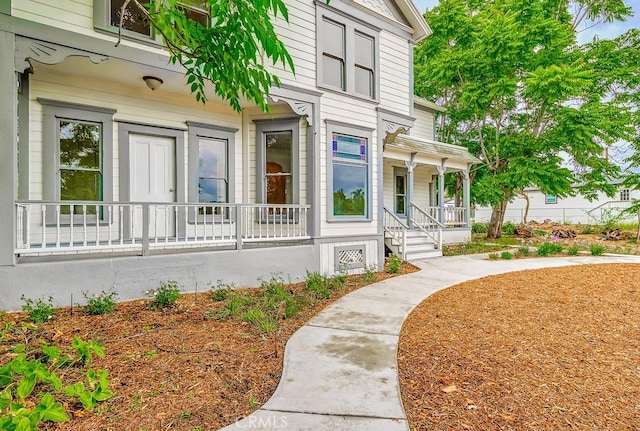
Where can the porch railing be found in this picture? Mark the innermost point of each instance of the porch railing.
(453, 216)
(48, 227)
(427, 224)
(395, 229)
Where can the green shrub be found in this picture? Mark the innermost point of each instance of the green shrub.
(100, 303)
(524, 250)
(548, 248)
(479, 227)
(493, 256)
(508, 228)
(39, 311)
(164, 296)
(573, 250)
(318, 284)
(588, 229)
(221, 291)
(506, 255)
(369, 275)
(596, 249)
(339, 279)
(394, 264)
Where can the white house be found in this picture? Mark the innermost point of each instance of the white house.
(105, 183)
(572, 209)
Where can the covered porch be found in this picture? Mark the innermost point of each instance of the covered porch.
(418, 219)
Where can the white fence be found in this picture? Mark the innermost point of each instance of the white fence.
(559, 215)
(45, 228)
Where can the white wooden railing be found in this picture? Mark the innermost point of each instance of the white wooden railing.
(427, 223)
(48, 227)
(607, 209)
(395, 229)
(453, 216)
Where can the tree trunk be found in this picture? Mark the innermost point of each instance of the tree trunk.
(497, 219)
(459, 183)
(525, 196)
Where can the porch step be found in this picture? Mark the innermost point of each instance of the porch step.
(418, 246)
(411, 256)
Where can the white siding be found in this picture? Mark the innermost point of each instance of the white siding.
(421, 178)
(423, 126)
(327, 255)
(395, 84)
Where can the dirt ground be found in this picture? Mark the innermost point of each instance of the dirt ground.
(175, 369)
(550, 349)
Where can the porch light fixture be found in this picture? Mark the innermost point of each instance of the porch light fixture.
(152, 82)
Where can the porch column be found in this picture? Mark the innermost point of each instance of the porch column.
(409, 195)
(466, 196)
(8, 146)
(441, 170)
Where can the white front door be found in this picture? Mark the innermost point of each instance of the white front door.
(153, 180)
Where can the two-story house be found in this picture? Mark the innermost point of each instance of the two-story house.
(112, 175)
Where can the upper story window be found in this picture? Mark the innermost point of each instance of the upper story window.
(550, 199)
(624, 194)
(135, 25)
(347, 55)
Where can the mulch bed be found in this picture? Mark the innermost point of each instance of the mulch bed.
(177, 368)
(546, 349)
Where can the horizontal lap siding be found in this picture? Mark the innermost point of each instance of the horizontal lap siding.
(423, 126)
(156, 109)
(354, 112)
(395, 85)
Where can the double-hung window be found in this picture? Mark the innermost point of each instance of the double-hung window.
(78, 154)
(624, 195)
(347, 55)
(135, 24)
(211, 155)
(350, 173)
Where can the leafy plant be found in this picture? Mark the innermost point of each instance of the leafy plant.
(100, 303)
(493, 256)
(221, 291)
(394, 264)
(508, 228)
(369, 275)
(548, 248)
(39, 311)
(506, 255)
(524, 250)
(318, 284)
(480, 227)
(573, 250)
(596, 249)
(164, 296)
(588, 229)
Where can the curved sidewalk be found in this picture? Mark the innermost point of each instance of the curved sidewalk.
(340, 369)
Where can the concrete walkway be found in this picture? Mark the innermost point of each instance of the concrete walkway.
(340, 369)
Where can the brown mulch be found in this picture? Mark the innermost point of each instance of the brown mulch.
(177, 369)
(549, 349)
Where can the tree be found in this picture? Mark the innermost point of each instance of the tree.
(534, 106)
(229, 53)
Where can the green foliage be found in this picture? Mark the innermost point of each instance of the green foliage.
(521, 92)
(524, 250)
(480, 227)
(318, 284)
(369, 274)
(588, 229)
(596, 249)
(548, 248)
(394, 264)
(39, 311)
(506, 255)
(493, 256)
(573, 250)
(164, 296)
(230, 53)
(508, 228)
(30, 389)
(101, 303)
(221, 291)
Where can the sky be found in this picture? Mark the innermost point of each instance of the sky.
(604, 30)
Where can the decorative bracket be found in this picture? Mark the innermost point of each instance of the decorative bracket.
(304, 109)
(392, 130)
(46, 53)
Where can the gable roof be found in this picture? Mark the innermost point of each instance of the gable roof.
(411, 16)
(432, 148)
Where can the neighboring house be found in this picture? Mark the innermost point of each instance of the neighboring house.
(105, 183)
(573, 209)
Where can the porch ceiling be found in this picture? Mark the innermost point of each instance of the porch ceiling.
(431, 148)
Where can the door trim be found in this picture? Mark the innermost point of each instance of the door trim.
(398, 171)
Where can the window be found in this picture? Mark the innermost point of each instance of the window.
(211, 159)
(550, 199)
(277, 151)
(347, 55)
(624, 195)
(78, 153)
(135, 24)
(350, 173)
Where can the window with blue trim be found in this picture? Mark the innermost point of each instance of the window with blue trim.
(550, 199)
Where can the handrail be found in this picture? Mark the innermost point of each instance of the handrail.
(607, 206)
(427, 224)
(396, 229)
